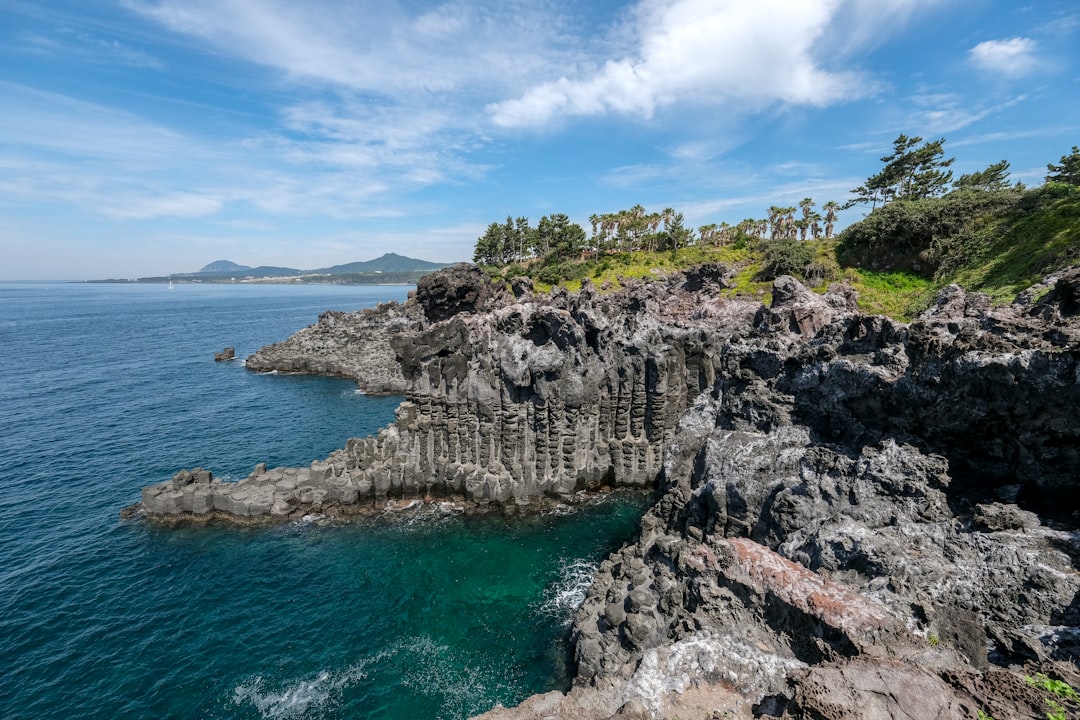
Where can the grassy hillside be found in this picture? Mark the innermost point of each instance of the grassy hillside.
(998, 242)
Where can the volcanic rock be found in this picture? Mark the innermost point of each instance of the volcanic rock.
(841, 498)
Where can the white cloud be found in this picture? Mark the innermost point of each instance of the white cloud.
(374, 46)
(736, 55)
(170, 204)
(1013, 57)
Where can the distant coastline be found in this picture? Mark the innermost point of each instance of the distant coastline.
(294, 280)
(388, 269)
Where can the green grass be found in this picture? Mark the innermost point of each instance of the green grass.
(611, 270)
(899, 294)
(1020, 249)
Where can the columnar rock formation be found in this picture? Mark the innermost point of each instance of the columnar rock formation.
(857, 517)
(538, 398)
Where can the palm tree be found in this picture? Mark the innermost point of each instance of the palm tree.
(830, 209)
(787, 222)
(807, 205)
(707, 233)
(775, 221)
(801, 225)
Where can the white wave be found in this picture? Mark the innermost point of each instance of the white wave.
(297, 698)
(566, 594)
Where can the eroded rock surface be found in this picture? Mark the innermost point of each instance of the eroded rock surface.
(355, 345)
(542, 397)
(842, 498)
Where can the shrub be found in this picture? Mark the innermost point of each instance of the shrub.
(785, 257)
(922, 234)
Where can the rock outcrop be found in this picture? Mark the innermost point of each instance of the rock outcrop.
(354, 345)
(460, 288)
(845, 502)
(860, 519)
(539, 398)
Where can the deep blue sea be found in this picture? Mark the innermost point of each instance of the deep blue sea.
(106, 388)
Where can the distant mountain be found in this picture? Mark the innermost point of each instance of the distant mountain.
(223, 266)
(390, 262)
(391, 267)
(229, 269)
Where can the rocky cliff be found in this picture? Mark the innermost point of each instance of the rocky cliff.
(354, 345)
(535, 397)
(856, 517)
(860, 519)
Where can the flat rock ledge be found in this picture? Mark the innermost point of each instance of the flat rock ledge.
(290, 494)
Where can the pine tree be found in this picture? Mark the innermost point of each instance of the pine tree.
(1068, 171)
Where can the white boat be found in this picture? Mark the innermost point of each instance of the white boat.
(170, 285)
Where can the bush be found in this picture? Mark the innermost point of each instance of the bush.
(921, 234)
(786, 257)
(553, 274)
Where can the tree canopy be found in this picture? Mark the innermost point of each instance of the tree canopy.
(911, 172)
(1067, 171)
(994, 177)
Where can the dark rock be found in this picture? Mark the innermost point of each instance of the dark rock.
(355, 345)
(875, 689)
(707, 277)
(796, 309)
(521, 286)
(993, 517)
(456, 289)
(228, 353)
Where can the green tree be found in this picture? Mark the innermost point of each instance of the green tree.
(911, 172)
(776, 222)
(787, 222)
(488, 250)
(676, 235)
(807, 205)
(557, 237)
(1068, 171)
(831, 208)
(994, 177)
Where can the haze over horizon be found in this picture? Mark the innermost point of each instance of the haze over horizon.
(147, 137)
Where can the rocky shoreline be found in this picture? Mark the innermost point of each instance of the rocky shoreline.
(856, 517)
(353, 345)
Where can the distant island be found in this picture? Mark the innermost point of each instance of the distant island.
(389, 269)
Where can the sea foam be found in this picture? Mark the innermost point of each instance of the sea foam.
(566, 594)
(301, 698)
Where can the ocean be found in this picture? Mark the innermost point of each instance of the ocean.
(106, 388)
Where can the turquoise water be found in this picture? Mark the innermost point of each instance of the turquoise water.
(105, 388)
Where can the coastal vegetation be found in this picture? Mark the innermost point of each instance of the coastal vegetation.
(923, 230)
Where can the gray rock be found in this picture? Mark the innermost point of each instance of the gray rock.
(354, 345)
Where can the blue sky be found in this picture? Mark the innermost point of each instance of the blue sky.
(145, 137)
